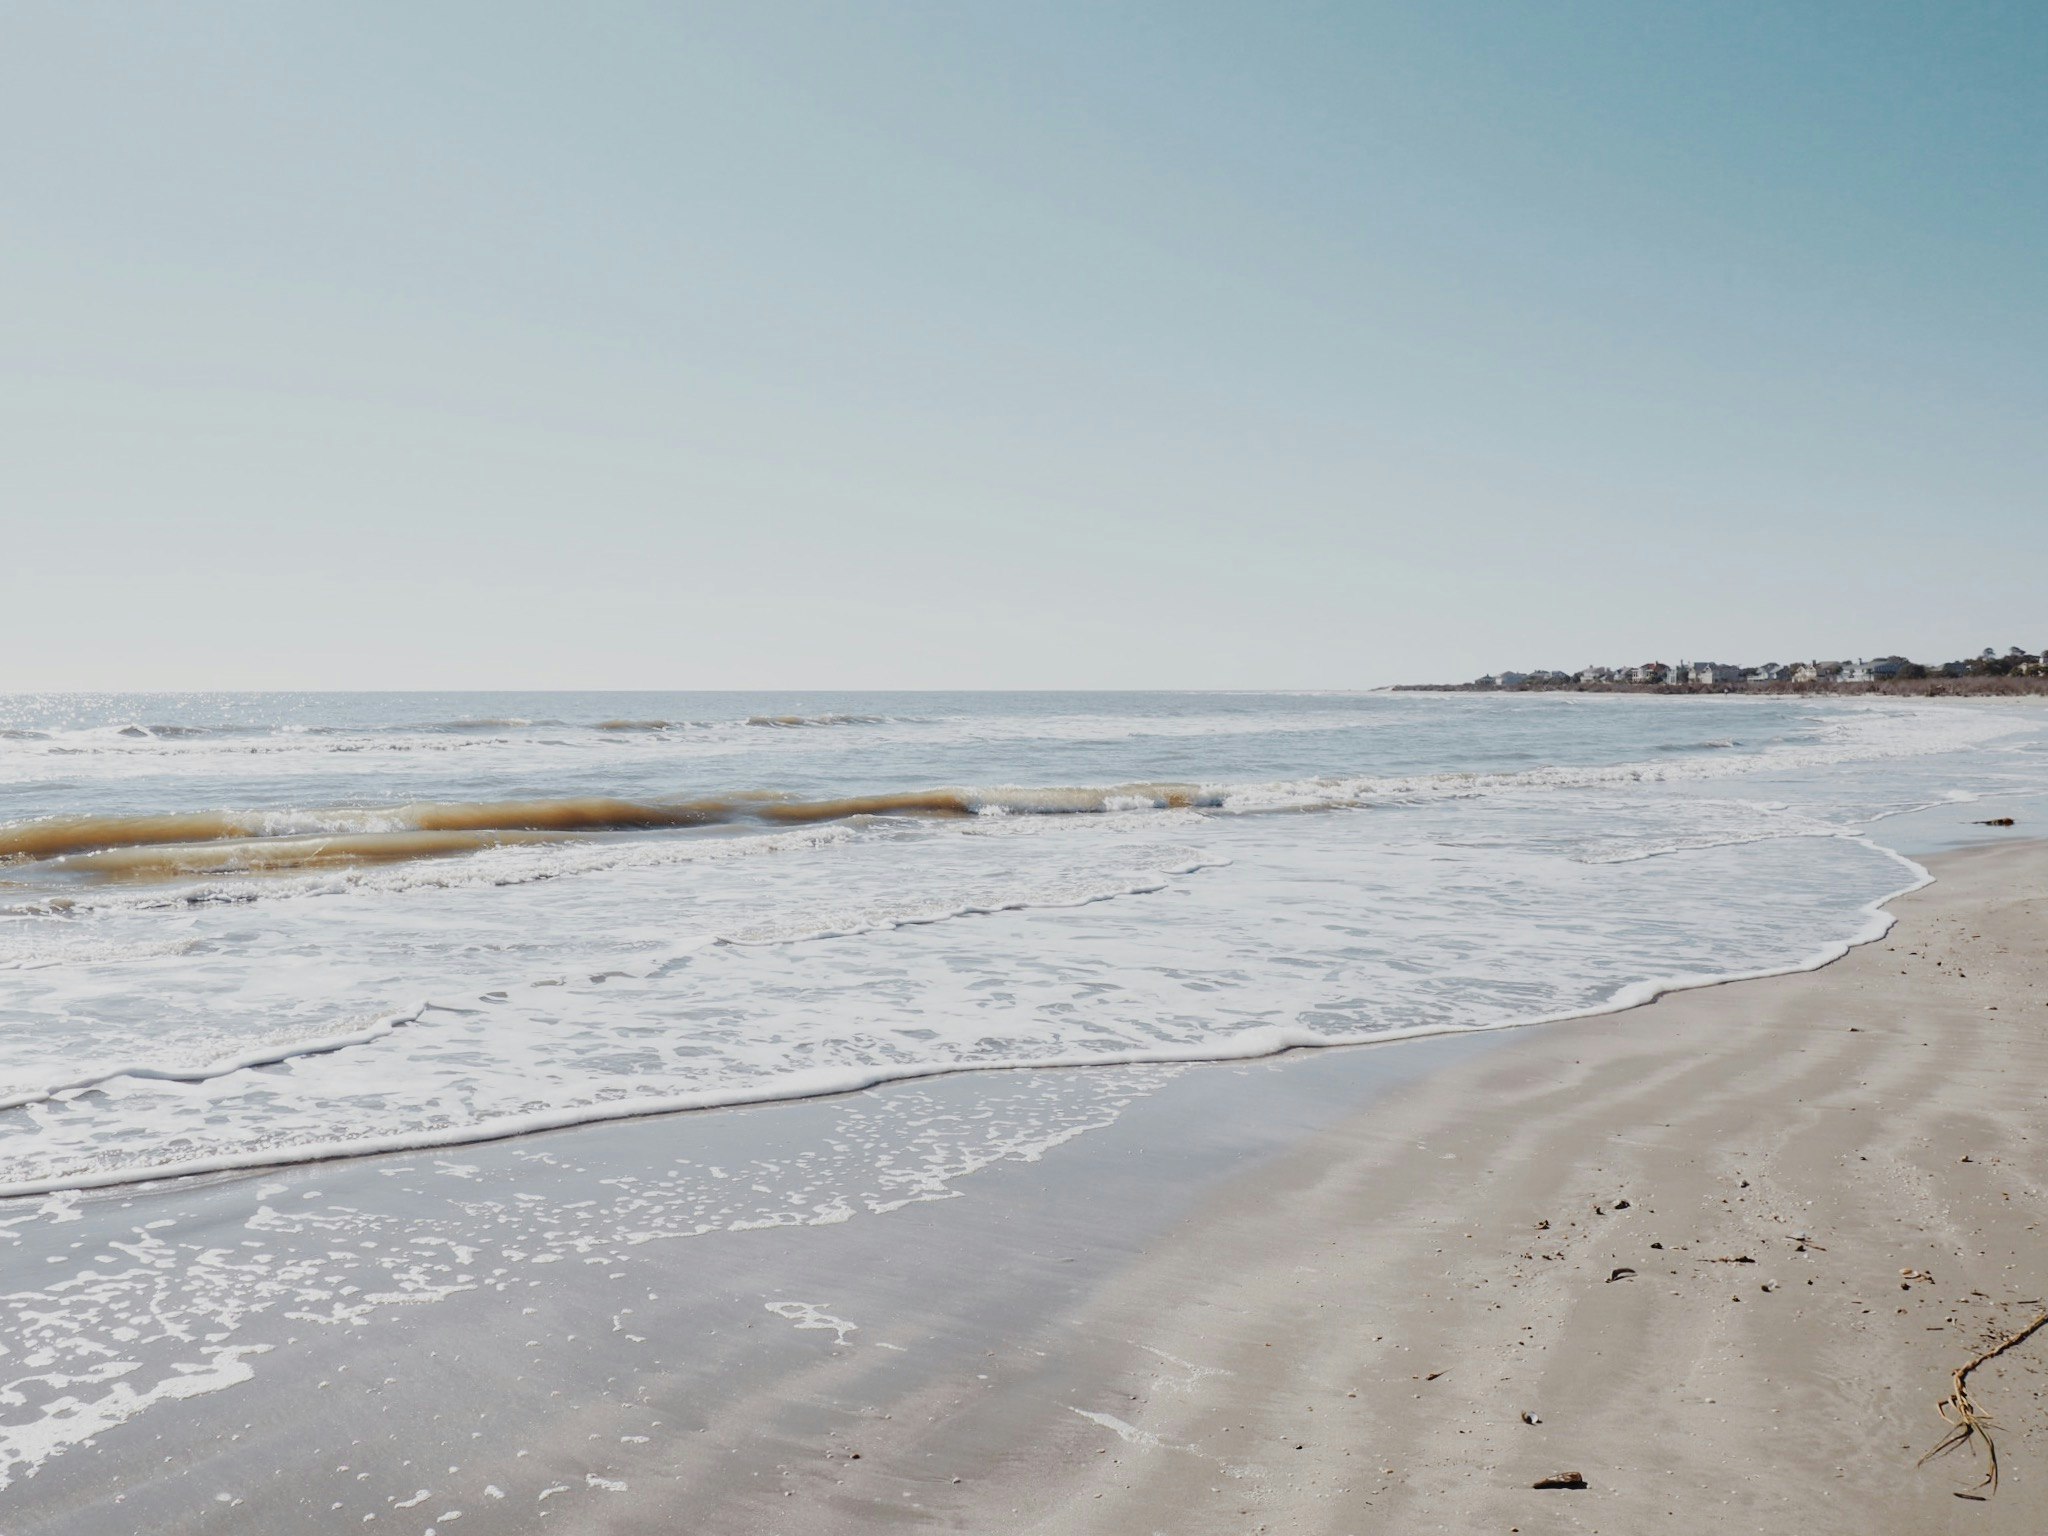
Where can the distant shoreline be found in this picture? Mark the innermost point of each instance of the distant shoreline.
(1920, 687)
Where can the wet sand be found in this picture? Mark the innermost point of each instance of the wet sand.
(1313, 1294)
(1821, 1194)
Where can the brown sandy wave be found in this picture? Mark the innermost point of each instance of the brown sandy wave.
(57, 836)
(107, 844)
(269, 855)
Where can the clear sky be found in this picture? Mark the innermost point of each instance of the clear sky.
(1013, 345)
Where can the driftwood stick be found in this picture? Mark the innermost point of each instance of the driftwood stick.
(1965, 1419)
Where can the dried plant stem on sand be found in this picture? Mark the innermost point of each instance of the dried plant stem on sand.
(1967, 1421)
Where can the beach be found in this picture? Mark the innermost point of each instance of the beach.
(1724, 1251)
(1820, 1195)
(720, 811)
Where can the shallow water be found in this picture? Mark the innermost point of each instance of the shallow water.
(244, 929)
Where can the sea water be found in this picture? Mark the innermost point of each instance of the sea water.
(248, 929)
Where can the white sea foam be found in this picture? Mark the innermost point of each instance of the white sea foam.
(151, 1313)
(1350, 870)
(608, 1074)
(76, 1419)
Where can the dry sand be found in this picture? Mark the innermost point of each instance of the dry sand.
(1829, 1188)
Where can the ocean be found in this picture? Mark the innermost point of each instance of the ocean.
(242, 930)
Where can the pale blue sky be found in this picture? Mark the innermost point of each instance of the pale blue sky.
(1009, 345)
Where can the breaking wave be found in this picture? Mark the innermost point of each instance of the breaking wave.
(608, 912)
(183, 845)
(90, 843)
(1246, 1044)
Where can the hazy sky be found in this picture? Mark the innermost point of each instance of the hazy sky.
(1014, 344)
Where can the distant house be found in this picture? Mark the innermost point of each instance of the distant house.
(1769, 672)
(1888, 667)
(1712, 672)
(1856, 672)
(1511, 679)
(1650, 672)
(1806, 672)
(1593, 675)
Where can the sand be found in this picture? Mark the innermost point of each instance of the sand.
(1315, 1294)
(1829, 1191)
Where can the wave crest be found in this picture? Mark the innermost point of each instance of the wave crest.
(184, 844)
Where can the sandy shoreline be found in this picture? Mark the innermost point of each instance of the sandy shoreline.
(1307, 1294)
(1365, 1323)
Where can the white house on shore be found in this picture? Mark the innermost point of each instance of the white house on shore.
(1717, 674)
(1888, 667)
(1881, 670)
